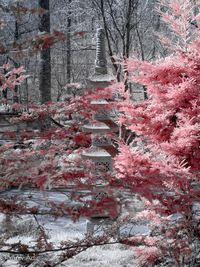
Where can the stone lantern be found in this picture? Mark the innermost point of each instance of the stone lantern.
(98, 127)
(100, 152)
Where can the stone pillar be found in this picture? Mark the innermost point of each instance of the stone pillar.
(99, 128)
(100, 62)
(100, 79)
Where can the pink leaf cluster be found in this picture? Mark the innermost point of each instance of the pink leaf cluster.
(162, 164)
(11, 77)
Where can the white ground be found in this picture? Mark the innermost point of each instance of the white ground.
(62, 229)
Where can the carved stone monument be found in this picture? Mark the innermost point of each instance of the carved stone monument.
(99, 127)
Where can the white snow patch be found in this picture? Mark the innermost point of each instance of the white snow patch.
(104, 256)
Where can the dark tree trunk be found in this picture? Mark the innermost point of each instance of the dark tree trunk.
(16, 38)
(111, 54)
(45, 56)
(126, 41)
(69, 45)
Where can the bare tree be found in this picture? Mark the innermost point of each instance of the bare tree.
(45, 64)
(69, 21)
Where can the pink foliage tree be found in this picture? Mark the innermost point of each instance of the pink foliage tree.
(161, 165)
(10, 77)
(164, 169)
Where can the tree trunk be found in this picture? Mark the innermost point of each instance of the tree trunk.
(45, 56)
(126, 42)
(69, 45)
(111, 54)
(16, 38)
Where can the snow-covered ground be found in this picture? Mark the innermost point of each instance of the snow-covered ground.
(105, 256)
(64, 229)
